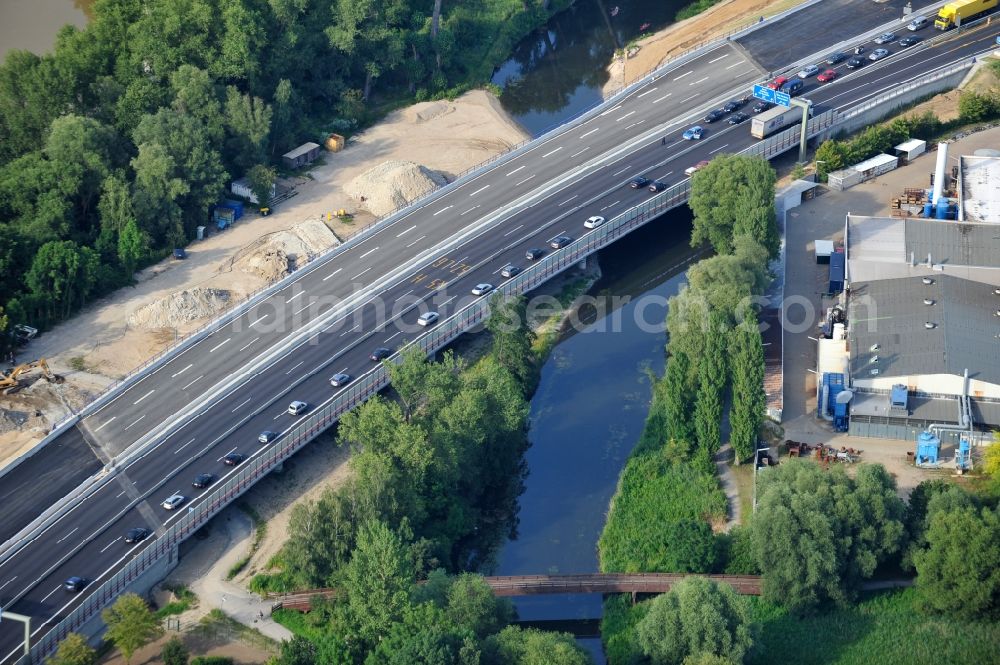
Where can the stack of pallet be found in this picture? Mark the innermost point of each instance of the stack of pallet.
(910, 203)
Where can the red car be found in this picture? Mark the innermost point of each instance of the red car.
(777, 83)
(827, 76)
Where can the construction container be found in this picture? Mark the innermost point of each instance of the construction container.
(824, 248)
(334, 142)
(235, 206)
(911, 149)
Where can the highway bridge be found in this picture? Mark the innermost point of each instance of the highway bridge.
(182, 416)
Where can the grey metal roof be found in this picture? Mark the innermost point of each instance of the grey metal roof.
(952, 243)
(930, 409)
(892, 314)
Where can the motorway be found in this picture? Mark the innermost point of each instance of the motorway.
(547, 191)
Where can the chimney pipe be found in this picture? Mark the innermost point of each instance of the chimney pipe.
(942, 163)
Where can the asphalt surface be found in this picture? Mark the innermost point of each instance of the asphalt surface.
(88, 541)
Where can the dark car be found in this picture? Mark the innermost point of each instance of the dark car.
(639, 183)
(855, 63)
(534, 253)
(136, 535)
(732, 106)
(737, 118)
(906, 42)
(180, 254)
(836, 58)
(657, 186)
(559, 242)
(714, 115)
(761, 106)
(340, 379)
(267, 436)
(75, 584)
(509, 270)
(232, 459)
(203, 480)
(379, 354)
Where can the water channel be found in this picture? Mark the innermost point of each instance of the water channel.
(32, 24)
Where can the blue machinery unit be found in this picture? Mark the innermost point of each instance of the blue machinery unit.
(833, 406)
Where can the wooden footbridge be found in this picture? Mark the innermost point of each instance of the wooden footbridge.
(531, 585)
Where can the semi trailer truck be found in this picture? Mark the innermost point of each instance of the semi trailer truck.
(956, 13)
(777, 118)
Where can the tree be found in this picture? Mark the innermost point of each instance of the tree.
(63, 274)
(529, 646)
(131, 624)
(249, 122)
(174, 652)
(85, 150)
(726, 190)
(472, 604)
(512, 338)
(425, 635)
(746, 373)
(974, 107)
(697, 616)
(132, 247)
(830, 156)
(195, 96)
(261, 178)
(991, 456)
(708, 402)
(915, 518)
(377, 581)
(74, 650)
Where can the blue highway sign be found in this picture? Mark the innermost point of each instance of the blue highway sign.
(762, 92)
(782, 98)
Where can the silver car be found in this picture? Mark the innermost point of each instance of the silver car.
(173, 501)
(427, 318)
(482, 289)
(297, 407)
(807, 71)
(885, 38)
(878, 54)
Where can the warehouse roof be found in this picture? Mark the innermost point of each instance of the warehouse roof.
(980, 193)
(953, 243)
(930, 409)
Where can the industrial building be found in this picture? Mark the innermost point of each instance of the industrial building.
(979, 188)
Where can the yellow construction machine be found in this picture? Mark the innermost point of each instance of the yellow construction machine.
(13, 380)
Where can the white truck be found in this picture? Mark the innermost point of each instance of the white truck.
(775, 119)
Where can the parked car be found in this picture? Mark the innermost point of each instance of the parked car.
(694, 133)
(559, 242)
(297, 408)
(593, 222)
(885, 38)
(712, 116)
(777, 83)
(761, 106)
(657, 186)
(878, 54)
(74, 584)
(907, 42)
(173, 501)
(855, 63)
(203, 480)
(427, 318)
(137, 535)
(340, 379)
(534, 253)
(380, 354)
(232, 459)
(180, 254)
(733, 105)
(836, 58)
(639, 182)
(918, 23)
(267, 436)
(827, 76)
(482, 289)
(509, 270)
(807, 71)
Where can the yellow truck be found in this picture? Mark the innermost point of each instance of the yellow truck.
(962, 11)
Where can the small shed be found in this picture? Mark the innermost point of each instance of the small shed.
(843, 179)
(876, 166)
(334, 143)
(304, 154)
(836, 273)
(824, 248)
(908, 150)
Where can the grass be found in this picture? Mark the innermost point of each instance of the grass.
(298, 623)
(549, 330)
(184, 599)
(744, 487)
(259, 533)
(78, 363)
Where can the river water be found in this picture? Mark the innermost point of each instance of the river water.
(32, 24)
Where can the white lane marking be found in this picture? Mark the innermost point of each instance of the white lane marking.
(625, 116)
(718, 149)
(300, 293)
(75, 529)
(719, 58)
(612, 110)
(249, 344)
(743, 73)
(416, 241)
(241, 405)
(229, 453)
(447, 301)
(404, 295)
(299, 311)
(339, 269)
(514, 171)
(294, 368)
(193, 382)
(567, 201)
(576, 154)
(175, 375)
(701, 80)
(662, 98)
(354, 329)
(105, 424)
(108, 546)
(684, 74)
(47, 596)
(120, 494)
(439, 212)
(634, 124)
(524, 181)
(184, 446)
(645, 93)
(551, 152)
(689, 98)
(479, 190)
(596, 129)
(512, 230)
(610, 205)
(499, 269)
(219, 345)
(664, 175)
(136, 422)
(8, 582)
(736, 64)
(620, 172)
(374, 249)
(393, 337)
(400, 235)
(362, 272)
(468, 211)
(259, 320)
(144, 396)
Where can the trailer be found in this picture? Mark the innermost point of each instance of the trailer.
(956, 13)
(777, 118)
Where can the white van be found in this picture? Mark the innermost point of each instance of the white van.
(918, 23)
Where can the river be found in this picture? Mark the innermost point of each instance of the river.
(33, 24)
(588, 413)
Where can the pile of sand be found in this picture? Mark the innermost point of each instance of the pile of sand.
(275, 255)
(180, 308)
(392, 185)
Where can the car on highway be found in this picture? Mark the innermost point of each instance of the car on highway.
(761, 106)
(340, 379)
(482, 289)
(657, 186)
(717, 114)
(427, 318)
(509, 270)
(732, 106)
(827, 76)
(836, 58)
(918, 23)
(232, 459)
(267, 436)
(907, 42)
(855, 63)
(173, 501)
(807, 71)
(534, 253)
(297, 408)
(885, 38)
(878, 54)
(559, 242)
(697, 167)
(593, 222)
(738, 117)
(777, 83)
(203, 480)
(75, 584)
(694, 133)
(137, 535)
(380, 354)
(639, 182)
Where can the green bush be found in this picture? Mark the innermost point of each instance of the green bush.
(211, 660)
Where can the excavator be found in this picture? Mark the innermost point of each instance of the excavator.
(12, 381)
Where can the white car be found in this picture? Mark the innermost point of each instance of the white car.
(593, 222)
(173, 501)
(885, 38)
(809, 70)
(878, 54)
(427, 318)
(482, 289)
(918, 24)
(297, 407)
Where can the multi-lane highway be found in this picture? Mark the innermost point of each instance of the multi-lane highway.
(325, 322)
